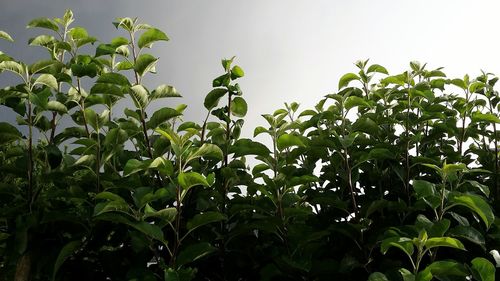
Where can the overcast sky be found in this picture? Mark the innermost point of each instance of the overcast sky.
(291, 50)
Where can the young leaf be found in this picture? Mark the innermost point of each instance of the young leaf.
(190, 179)
(346, 78)
(377, 68)
(287, 140)
(47, 80)
(237, 72)
(444, 242)
(6, 36)
(150, 36)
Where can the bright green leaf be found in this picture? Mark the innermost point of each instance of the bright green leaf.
(239, 107)
(346, 78)
(150, 36)
(190, 179)
(287, 140)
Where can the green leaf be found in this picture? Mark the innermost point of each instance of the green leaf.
(447, 268)
(406, 274)
(207, 150)
(42, 40)
(444, 242)
(150, 36)
(57, 107)
(469, 233)
(354, 101)
(106, 89)
(124, 65)
(167, 214)
(287, 140)
(346, 78)
(43, 23)
(451, 169)
(477, 204)
(164, 91)
(484, 117)
(195, 252)
(424, 188)
(212, 98)
(237, 72)
(377, 68)
(204, 219)
(8, 133)
(140, 96)
(43, 65)
(483, 269)
(13, 67)
(402, 243)
(6, 36)
(47, 80)
(66, 252)
(377, 276)
(132, 166)
(459, 83)
(190, 179)
(115, 137)
(239, 107)
(145, 63)
(161, 116)
(113, 78)
(244, 147)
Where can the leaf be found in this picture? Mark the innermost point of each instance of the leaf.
(346, 78)
(204, 219)
(13, 66)
(447, 268)
(484, 117)
(106, 89)
(150, 36)
(239, 107)
(8, 133)
(113, 78)
(132, 166)
(354, 101)
(377, 68)
(43, 23)
(43, 65)
(469, 233)
(444, 242)
(161, 116)
(237, 72)
(402, 243)
(140, 96)
(213, 97)
(47, 80)
(483, 269)
(207, 150)
(6, 36)
(195, 252)
(66, 252)
(424, 188)
(145, 63)
(115, 137)
(377, 276)
(244, 147)
(165, 91)
(287, 140)
(478, 205)
(167, 214)
(190, 179)
(106, 195)
(57, 107)
(451, 169)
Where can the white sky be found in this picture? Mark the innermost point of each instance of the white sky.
(291, 50)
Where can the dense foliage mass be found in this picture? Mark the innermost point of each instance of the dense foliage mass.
(392, 177)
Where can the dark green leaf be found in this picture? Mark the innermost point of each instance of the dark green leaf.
(377, 276)
(346, 78)
(190, 179)
(161, 116)
(67, 251)
(145, 63)
(204, 219)
(8, 133)
(212, 98)
(195, 252)
(140, 96)
(478, 205)
(483, 269)
(164, 91)
(43, 23)
(244, 147)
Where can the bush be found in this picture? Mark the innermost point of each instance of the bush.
(392, 177)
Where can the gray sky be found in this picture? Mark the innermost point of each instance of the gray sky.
(291, 50)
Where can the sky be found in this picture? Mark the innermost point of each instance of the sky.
(290, 50)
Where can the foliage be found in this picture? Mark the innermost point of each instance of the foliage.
(391, 177)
